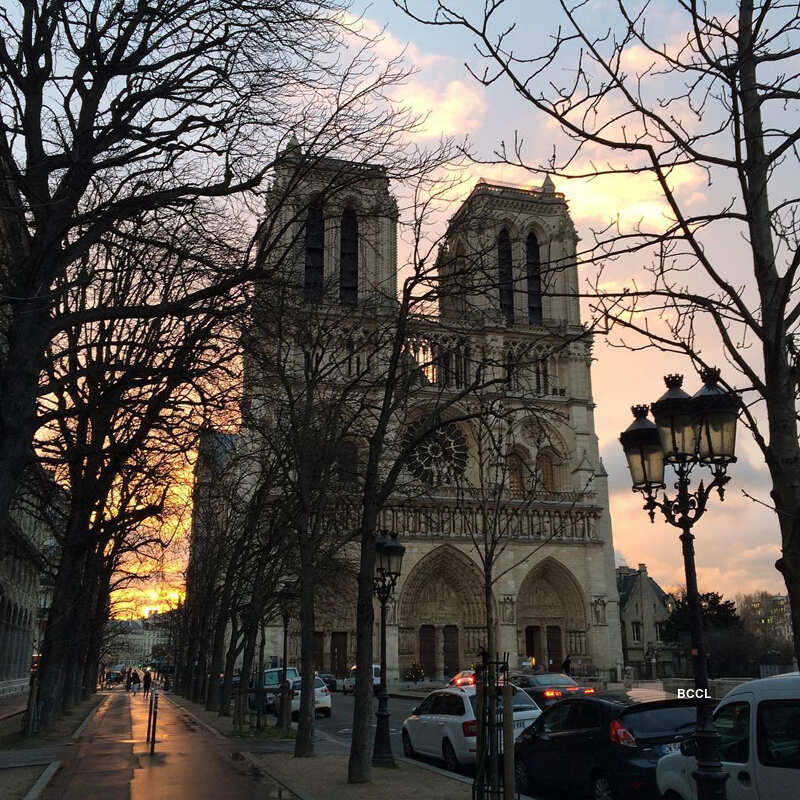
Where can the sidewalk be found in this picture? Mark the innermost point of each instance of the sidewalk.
(113, 761)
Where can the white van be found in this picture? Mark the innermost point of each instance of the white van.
(349, 683)
(759, 726)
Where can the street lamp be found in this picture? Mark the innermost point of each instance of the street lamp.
(688, 432)
(286, 596)
(388, 563)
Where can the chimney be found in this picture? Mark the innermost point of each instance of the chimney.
(643, 569)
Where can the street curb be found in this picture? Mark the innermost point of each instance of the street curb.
(82, 727)
(438, 770)
(42, 781)
(208, 727)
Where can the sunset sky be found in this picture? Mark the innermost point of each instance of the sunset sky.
(737, 541)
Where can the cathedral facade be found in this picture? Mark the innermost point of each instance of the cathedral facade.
(508, 305)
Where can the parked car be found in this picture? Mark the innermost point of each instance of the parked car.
(113, 677)
(322, 697)
(604, 748)
(547, 688)
(329, 680)
(444, 725)
(272, 686)
(464, 678)
(759, 726)
(349, 683)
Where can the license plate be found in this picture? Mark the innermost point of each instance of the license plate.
(673, 747)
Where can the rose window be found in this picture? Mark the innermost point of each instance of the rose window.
(441, 458)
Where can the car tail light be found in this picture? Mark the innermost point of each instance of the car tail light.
(468, 681)
(326, 690)
(572, 688)
(619, 734)
(552, 693)
(470, 727)
(588, 691)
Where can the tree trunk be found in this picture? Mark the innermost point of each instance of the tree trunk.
(217, 656)
(56, 639)
(304, 743)
(360, 763)
(230, 660)
(240, 710)
(780, 376)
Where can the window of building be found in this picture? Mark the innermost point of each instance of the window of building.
(348, 258)
(516, 473)
(659, 631)
(505, 275)
(534, 273)
(546, 471)
(315, 253)
(636, 631)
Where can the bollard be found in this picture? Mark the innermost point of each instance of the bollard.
(149, 716)
(155, 721)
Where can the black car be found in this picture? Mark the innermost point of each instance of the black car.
(547, 688)
(605, 748)
(329, 680)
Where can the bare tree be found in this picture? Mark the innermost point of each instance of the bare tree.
(113, 113)
(720, 97)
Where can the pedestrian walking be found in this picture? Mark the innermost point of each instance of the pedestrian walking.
(128, 679)
(148, 679)
(566, 666)
(135, 680)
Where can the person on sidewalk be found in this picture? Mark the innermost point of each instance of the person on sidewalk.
(128, 680)
(148, 679)
(135, 680)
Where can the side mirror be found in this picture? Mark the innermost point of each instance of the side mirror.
(415, 711)
(688, 747)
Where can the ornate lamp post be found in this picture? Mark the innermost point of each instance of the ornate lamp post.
(286, 595)
(688, 432)
(388, 563)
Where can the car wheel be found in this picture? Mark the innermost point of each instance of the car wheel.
(602, 789)
(521, 777)
(408, 748)
(449, 756)
(326, 712)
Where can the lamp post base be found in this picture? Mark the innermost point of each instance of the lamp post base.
(382, 750)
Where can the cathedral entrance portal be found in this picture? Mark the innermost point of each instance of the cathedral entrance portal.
(440, 614)
(551, 616)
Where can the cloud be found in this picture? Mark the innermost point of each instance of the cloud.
(454, 109)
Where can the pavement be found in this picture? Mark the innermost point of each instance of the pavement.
(13, 705)
(112, 761)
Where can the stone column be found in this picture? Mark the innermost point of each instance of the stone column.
(438, 652)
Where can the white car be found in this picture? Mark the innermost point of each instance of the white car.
(349, 683)
(759, 726)
(322, 697)
(444, 726)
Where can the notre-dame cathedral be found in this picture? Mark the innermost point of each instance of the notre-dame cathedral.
(557, 596)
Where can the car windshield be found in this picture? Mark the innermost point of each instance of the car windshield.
(319, 683)
(272, 678)
(522, 701)
(552, 680)
(666, 720)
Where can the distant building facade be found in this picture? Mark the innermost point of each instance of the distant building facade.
(767, 614)
(26, 560)
(644, 609)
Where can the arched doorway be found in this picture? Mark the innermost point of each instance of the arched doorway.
(551, 616)
(441, 618)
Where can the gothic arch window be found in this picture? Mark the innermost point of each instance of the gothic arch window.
(548, 470)
(348, 258)
(347, 463)
(516, 472)
(534, 274)
(315, 253)
(505, 275)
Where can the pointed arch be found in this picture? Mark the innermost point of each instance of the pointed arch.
(505, 275)
(315, 253)
(534, 279)
(348, 257)
(441, 613)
